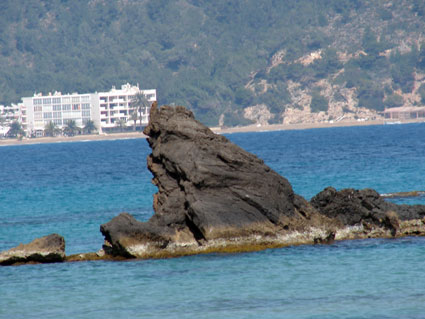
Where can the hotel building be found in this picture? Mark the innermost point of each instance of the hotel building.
(105, 109)
(115, 106)
(13, 113)
(60, 109)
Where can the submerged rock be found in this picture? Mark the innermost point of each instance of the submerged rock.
(47, 249)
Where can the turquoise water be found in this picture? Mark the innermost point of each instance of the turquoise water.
(72, 188)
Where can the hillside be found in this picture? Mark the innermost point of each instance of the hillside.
(231, 62)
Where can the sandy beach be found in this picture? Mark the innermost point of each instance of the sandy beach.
(218, 130)
(304, 126)
(77, 138)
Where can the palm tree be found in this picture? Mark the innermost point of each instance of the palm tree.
(51, 129)
(133, 117)
(71, 128)
(140, 103)
(121, 124)
(16, 130)
(90, 127)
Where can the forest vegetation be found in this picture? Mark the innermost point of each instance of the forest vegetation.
(220, 57)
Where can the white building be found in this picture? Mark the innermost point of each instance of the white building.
(115, 106)
(12, 113)
(105, 109)
(60, 109)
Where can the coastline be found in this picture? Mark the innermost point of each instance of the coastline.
(217, 130)
(305, 126)
(77, 138)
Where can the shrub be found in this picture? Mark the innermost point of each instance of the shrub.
(318, 103)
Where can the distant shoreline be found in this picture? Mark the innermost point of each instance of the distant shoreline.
(217, 130)
(77, 138)
(304, 126)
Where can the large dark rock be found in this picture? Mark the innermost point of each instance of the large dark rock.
(352, 206)
(47, 249)
(210, 182)
(208, 189)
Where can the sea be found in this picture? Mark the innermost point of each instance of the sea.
(72, 188)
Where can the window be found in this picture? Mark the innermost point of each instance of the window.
(38, 116)
(57, 122)
(75, 99)
(57, 115)
(86, 106)
(47, 108)
(47, 115)
(66, 100)
(85, 98)
(66, 107)
(37, 101)
(67, 114)
(86, 113)
(38, 108)
(75, 107)
(56, 100)
(47, 100)
(56, 107)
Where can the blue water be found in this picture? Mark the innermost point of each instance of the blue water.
(72, 188)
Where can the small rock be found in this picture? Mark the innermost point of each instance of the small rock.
(392, 222)
(47, 249)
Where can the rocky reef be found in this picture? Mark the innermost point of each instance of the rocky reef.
(365, 213)
(47, 249)
(214, 196)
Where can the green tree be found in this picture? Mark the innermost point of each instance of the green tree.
(133, 117)
(16, 130)
(421, 92)
(318, 103)
(243, 96)
(371, 96)
(51, 129)
(393, 100)
(140, 105)
(420, 64)
(89, 127)
(121, 124)
(71, 128)
(370, 42)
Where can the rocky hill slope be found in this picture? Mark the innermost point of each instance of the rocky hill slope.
(231, 63)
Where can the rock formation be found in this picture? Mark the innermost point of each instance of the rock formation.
(47, 249)
(370, 211)
(210, 192)
(214, 196)
(352, 206)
